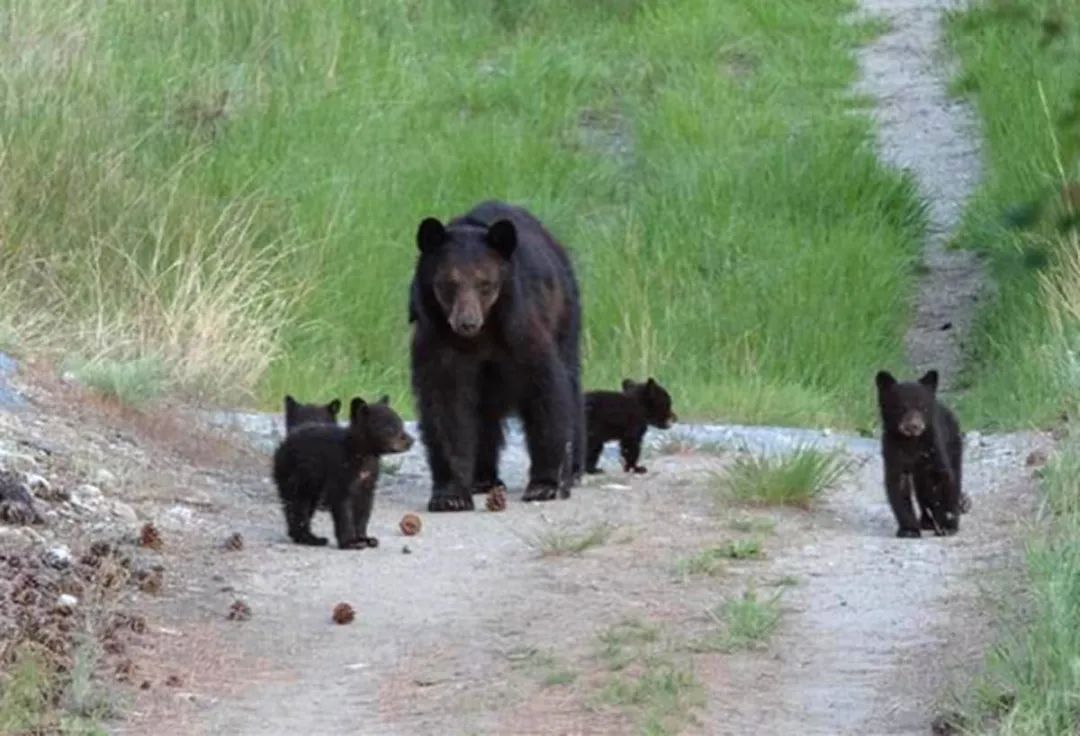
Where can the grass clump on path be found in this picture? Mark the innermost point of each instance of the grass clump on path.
(793, 479)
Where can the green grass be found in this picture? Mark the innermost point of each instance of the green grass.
(29, 688)
(134, 382)
(1030, 685)
(793, 479)
(1023, 368)
(562, 543)
(743, 623)
(733, 231)
(711, 561)
(648, 678)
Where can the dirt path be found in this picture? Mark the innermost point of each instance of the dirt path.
(935, 137)
(469, 628)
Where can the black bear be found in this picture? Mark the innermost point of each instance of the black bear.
(324, 464)
(297, 414)
(922, 449)
(497, 329)
(624, 416)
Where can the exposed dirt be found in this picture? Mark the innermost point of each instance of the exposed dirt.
(935, 137)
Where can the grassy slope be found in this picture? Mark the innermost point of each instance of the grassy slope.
(1022, 370)
(733, 232)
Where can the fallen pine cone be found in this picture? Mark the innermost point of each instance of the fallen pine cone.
(410, 525)
(149, 581)
(150, 537)
(235, 542)
(239, 611)
(496, 499)
(343, 614)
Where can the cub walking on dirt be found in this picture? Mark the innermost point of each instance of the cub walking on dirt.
(922, 448)
(624, 416)
(324, 464)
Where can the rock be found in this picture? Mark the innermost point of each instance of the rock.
(177, 517)
(87, 497)
(39, 486)
(66, 603)
(58, 558)
(19, 537)
(124, 512)
(105, 478)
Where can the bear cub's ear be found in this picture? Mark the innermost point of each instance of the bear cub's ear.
(930, 380)
(884, 380)
(628, 385)
(502, 236)
(334, 407)
(357, 408)
(430, 235)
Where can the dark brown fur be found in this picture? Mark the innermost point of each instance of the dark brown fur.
(337, 466)
(922, 449)
(498, 318)
(297, 414)
(624, 416)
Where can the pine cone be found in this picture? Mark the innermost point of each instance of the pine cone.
(496, 499)
(150, 537)
(239, 611)
(343, 614)
(410, 525)
(235, 542)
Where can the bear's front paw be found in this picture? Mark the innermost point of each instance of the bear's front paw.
(358, 543)
(544, 492)
(371, 541)
(310, 540)
(594, 471)
(908, 533)
(639, 469)
(446, 502)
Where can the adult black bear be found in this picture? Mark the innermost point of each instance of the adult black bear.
(327, 465)
(498, 322)
(922, 449)
(624, 416)
(297, 414)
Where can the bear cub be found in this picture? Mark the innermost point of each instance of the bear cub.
(297, 414)
(922, 449)
(326, 465)
(624, 416)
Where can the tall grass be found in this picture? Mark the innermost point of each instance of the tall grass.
(1018, 63)
(732, 228)
(794, 479)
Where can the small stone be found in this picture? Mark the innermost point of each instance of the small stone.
(234, 542)
(105, 478)
(39, 486)
(145, 685)
(86, 496)
(343, 614)
(58, 558)
(410, 525)
(124, 512)
(1037, 458)
(65, 603)
(405, 550)
(239, 611)
(173, 681)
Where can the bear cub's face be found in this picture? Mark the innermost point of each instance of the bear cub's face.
(472, 268)
(906, 408)
(381, 426)
(297, 414)
(655, 399)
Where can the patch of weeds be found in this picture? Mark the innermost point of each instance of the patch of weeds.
(85, 697)
(753, 525)
(545, 666)
(661, 692)
(711, 561)
(787, 581)
(131, 382)
(795, 479)
(743, 623)
(560, 543)
(27, 687)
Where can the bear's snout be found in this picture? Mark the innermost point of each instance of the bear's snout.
(913, 424)
(403, 442)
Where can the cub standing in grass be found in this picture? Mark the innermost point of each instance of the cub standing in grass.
(297, 414)
(625, 416)
(922, 448)
(321, 464)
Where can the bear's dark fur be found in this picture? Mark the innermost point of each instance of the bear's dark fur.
(624, 416)
(297, 414)
(497, 324)
(324, 464)
(922, 448)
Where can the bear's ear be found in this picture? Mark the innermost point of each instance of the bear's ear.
(430, 235)
(885, 380)
(384, 400)
(290, 402)
(628, 385)
(930, 380)
(502, 236)
(651, 383)
(357, 407)
(334, 407)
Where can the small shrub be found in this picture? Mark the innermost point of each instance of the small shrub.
(795, 479)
